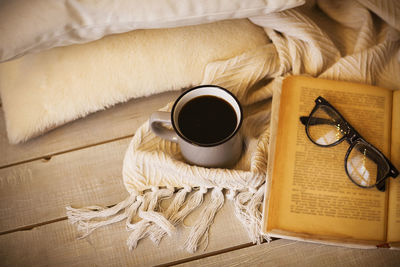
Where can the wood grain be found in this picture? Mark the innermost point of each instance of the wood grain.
(39, 191)
(120, 121)
(56, 244)
(295, 253)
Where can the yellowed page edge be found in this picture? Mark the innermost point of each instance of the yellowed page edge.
(393, 234)
(276, 97)
(352, 243)
(270, 223)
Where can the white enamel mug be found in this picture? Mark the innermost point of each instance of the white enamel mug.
(224, 153)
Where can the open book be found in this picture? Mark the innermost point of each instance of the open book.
(309, 195)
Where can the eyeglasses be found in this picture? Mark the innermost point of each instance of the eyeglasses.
(365, 165)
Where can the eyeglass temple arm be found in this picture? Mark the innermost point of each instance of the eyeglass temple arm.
(381, 186)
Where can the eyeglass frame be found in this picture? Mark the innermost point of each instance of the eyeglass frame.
(352, 137)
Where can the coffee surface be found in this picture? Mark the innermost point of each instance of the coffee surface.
(207, 120)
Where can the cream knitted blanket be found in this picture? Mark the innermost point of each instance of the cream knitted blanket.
(345, 40)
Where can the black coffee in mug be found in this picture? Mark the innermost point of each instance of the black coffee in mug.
(207, 120)
(206, 123)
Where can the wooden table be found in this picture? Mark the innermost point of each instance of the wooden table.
(80, 164)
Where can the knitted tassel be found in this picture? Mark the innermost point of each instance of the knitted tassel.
(247, 209)
(192, 203)
(87, 227)
(178, 201)
(178, 210)
(156, 233)
(158, 219)
(143, 201)
(88, 218)
(132, 210)
(200, 228)
(139, 232)
(231, 193)
(254, 211)
(149, 216)
(92, 212)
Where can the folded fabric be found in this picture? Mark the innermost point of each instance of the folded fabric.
(36, 25)
(336, 40)
(44, 90)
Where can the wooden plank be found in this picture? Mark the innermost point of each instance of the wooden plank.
(39, 191)
(116, 122)
(56, 244)
(295, 253)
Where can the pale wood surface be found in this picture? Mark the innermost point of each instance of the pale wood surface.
(56, 244)
(40, 190)
(295, 253)
(80, 164)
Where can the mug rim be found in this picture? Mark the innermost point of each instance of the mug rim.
(203, 144)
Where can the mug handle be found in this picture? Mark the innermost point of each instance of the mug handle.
(157, 119)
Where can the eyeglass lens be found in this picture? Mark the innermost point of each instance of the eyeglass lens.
(364, 165)
(325, 126)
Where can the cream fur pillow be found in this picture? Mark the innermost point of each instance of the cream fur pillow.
(28, 26)
(45, 90)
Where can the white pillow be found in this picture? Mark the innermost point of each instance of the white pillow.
(36, 25)
(47, 89)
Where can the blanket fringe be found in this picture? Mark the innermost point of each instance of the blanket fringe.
(155, 224)
(93, 217)
(145, 218)
(247, 210)
(174, 214)
(200, 228)
(149, 215)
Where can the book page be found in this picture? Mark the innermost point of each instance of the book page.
(311, 193)
(394, 193)
(276, 98)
